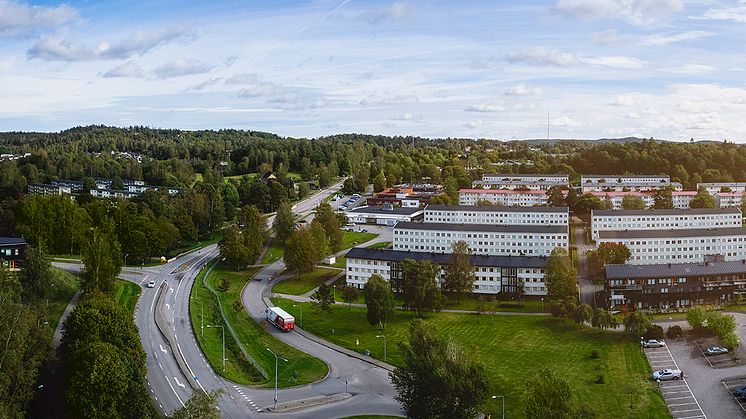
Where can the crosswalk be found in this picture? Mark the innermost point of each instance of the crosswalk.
(247, 399)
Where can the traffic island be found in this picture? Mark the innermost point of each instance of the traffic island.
(314, 401)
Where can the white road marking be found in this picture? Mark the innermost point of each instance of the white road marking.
(162, 350)
(178, 383)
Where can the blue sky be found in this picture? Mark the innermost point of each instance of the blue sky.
(672, 69)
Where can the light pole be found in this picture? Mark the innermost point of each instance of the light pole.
(277, 358)
(301, 314)
(202, 310)
(125, 262)
(384, 346)
(542, 304)
(503, 400)
(334, 290)
(223, 329)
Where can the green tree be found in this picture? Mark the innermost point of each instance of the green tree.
(349, 295)
(420, 286)
(306, 247)
(613, 253)
(583, 314)
(663, 199)
(36, 275)
(636, 323)
(233, 247)
(254, 228)
(102, 260)
(459, 274)
(703, 199)
(379, 182)
(602, 319)
(322, 300)
(560, 276)
(696, 316)
(438, 379)
(200, 406)
(633, 202)
(284, 223)
(556, 196)
(547, 395)
(379, 301)
(328, 219)
(303, 190)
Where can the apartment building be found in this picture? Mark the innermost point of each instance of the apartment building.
(612, 183)
(483, 239)
(557, 179)
(729, 199)
(112, 193)
(503, 197)
(680, 199)
(675, 284)
(716, 187)
(472, 214)
(664, 219)
(521, 182)
(74, 185)
(40, 189)
(650, 247)
(493, 274)
(12, 252)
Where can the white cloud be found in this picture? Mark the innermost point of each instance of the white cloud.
(638, 12)
(473, 124)
(629, 63)
(23, 19)
(408, 116)
(394, 13)
(207, 83)
(736, 14)
(565, 122)
(182, 67)
(692, 69)
(523, 89)
(665, 39)
(626, 100)
(544, 56)
(128, 69)
(387, 98)
(262, 89)
(484, 108)
(244, 78)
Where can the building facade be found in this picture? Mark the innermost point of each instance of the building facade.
(39, 189)
(664, 219)
(12, 252)
(679, 199)
(385, 215)
(613, 183)
(472, 214)
(503, 197)
(717, 187)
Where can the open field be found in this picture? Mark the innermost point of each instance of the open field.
(512, 347)
(64, 286)
(126, 294)
(306, 282)
(353, 238)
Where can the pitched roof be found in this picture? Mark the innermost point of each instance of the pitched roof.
(666, 234)
(675, 269)
(12, 241)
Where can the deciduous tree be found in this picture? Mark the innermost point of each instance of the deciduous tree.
(102, 260)
(703, 199)
(459, 274)
(322, 300)
(284, 223)
(560, 276)
(379, 300)
(200, 406)
(420, 286)
(632, 202)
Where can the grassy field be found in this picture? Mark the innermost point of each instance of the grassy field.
(353, 238)
(126, 293)
(254, 336)
(274, 252)
(380, 245)
(306, 282)
(512, 347)
(64, 286)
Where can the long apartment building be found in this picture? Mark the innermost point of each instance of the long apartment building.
(680, 199)
(493, 274)
(678, 246)
(664, 219)
(522, 181)
(615, 183)
(483, 239)
(716, 187)
(511, 198)
(472, 214)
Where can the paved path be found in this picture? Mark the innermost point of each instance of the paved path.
(587, 289)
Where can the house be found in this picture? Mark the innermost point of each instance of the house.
(12, 252)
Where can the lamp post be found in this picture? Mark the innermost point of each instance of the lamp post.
(223, 329)
(334, 291)
(384, 346)
(542, 304)
(301, 314)
(277, 358)
(503, 404)
(125, 262)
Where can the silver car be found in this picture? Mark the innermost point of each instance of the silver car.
(653, 343)
(716, 350)
(667, 374)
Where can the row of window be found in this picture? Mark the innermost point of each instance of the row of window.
(9, 252)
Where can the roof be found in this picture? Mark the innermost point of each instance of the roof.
(12, 241)
(673, 211)
(517, 175)
(493, 208)
(639, 193)
(721, 184)
(502, 191)
(665, 234)
(380, 210)
(675, 269)
(486, 228)
(446, 258)
(623, 176)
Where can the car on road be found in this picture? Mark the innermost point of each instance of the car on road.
(739, 391)
(653, 343)
(667, 374)
(716, 350)
(151, 284)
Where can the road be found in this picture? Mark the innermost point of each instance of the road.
(587, 289)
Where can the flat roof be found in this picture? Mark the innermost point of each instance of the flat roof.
(487, 228)
(665, 234)
(672, 211)
(515, 175)
(502, 191)
(624, 176)
(12, 241)
(446, 258)
(675, 269)
(493, 208)
(380, 210)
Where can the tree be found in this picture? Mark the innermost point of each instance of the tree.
(36, 275)
(560, 276)
(663, 199)
(305, 248)
(459, 274)
(636, 323)
(583, 313)
(548, 395)
(254, 228)
(284, 223)
(303, 190)
(484, 203)
(322, 300)
(703, 199)
(586, 203)
(438, 378)
(349, 294)
(233, 247)
(420, 286)
(696, 316)
(200, 406)
(442, 199)
(556, 196)
(633, 202)
(102, 260)
(602, 319)
(379, 182)
(328, 219)
(379, 301)
(613, 253)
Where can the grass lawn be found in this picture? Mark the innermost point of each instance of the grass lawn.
(372, 417)
(353, 238)
(306, 282)
(274, 252)
(64, 286)
(512, 347)
(126, 293)
(254, 336)
(63, 258)
(216, 237)
(379, 245)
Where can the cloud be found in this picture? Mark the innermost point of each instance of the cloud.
(262, 89)
(387, 98)
(408, 116)
(638, 12)
(625, 100)
(128, 69)
(692, 69)
(207, 83)
(628, 63)
(244, 78)
(736, 14)
(484, 108)
(665, 39)
(182, 67)
(55, 48)
(17, 19)
(523, 89)
(544, 57)
(565, 122)
(394, 13)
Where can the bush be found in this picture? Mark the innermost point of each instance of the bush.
(595, 354)
(654, 332)
(730, 341)
(600, 379)
(722, 324)
(557, 309)
(674, 332)
(224, 285)
(696, 316)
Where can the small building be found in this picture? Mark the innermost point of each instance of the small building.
(387, 215)
(12, 252)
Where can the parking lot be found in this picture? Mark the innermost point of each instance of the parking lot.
(678, 395)
(731, 385)
(715, 361)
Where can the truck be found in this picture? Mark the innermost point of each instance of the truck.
(280, 318)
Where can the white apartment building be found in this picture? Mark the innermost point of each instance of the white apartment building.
(729, 199)
(503, 197)
(680, 199)
(612, 183)
(139, 189)
(715, 187)
(472, 214)
(112, 193)
(663, 219)
(483, 239)
(557, 179)
(39, 189)
(679, 246)
(493, 274)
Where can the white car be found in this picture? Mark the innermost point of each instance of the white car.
(667, 374)
(653, 343)
(151, 284)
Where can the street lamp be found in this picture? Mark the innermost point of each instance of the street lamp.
(334, 290)
(223, 329)
(384, 346)
(503, 400)
(542, 304)
(276, 361)
(125, 262)
(301, 314)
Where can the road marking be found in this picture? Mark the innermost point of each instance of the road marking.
(162, 350)
(174, 390)
(168, 306)
(178, 383)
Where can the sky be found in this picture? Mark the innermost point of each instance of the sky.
(668, 69)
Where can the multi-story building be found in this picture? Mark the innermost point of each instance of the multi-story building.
(522, 181)
(493, 274)
(729, 199)
(12, 252)
(74, 185)
(503, 197)
(472, 214)
(483, 239)
(680, 199)
(650, 247)
(663, 219)
(614, 183)
(675, 284)
(139, 189)
(385, 215)
(716, 187)
(112, 193)
(39, 189)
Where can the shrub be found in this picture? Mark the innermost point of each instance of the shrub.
(654, 332)
(696, 316)
(224, 285)
(595, 354)
(674, 332)
(722, 324)
(600, 379)
(557, 309)
(730, 341)
(237, 306)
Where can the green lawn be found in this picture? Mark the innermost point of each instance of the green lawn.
(64, 287)
(353, 238)
(512, 347)
(340, 262)
(216, 237)
(126, 293)
(372, 417)
(379, 245)
(254, 336)
(274, 252)
(306, 282)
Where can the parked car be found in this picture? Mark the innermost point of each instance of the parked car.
(716, 350)
(653, 343)
(151, 284)
(740, 391)
(667, 374)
